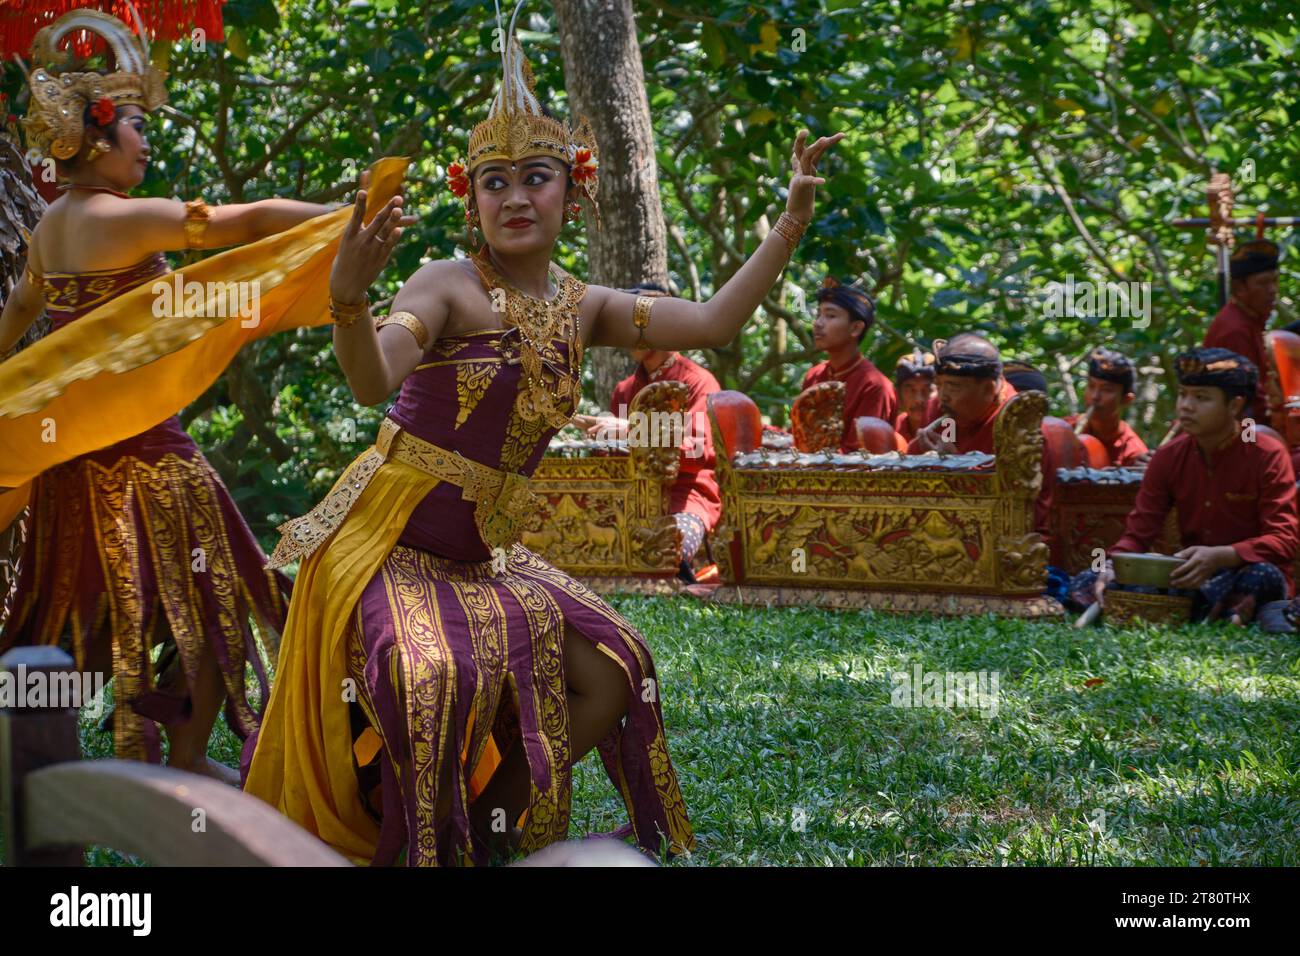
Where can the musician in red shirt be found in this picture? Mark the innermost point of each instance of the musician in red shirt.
(1235, 497)
(695, 499)
(1240, 325)
(914, 384)
(1112, 380)
(844, 314)
(959, 343)
(971, 392)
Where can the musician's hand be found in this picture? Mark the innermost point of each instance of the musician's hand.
(1200, 563)
(1142, 460)
(1104, 580)
(930, 438)
(605, 427)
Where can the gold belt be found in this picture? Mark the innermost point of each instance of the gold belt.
(503, 501)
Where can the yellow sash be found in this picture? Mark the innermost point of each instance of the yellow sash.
(120, 370)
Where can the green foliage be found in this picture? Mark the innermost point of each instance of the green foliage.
(992, 148)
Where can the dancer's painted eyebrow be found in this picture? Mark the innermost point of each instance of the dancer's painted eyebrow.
(539, 163)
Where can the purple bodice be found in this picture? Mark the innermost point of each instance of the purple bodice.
(463, 398)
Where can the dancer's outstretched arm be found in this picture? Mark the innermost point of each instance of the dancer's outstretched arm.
(682, 324)
(146, 226)
(158, 225)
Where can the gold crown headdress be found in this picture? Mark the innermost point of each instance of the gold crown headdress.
(517, 127)
(55, 121)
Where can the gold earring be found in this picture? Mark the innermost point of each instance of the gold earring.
(97, 149)
(471, 222)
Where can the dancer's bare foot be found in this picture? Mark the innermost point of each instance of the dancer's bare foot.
(208, 767)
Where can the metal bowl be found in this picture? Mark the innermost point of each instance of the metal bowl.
(1145, 570)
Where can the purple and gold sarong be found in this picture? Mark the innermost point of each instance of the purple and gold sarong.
(454, 651)
(136, 543)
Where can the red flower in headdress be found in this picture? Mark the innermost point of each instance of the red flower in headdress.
(457, 181)
(103, 111)
(584, 166)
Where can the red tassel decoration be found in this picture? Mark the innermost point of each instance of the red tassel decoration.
(20, 20)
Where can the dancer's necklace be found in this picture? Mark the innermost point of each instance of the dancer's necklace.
(538, 322)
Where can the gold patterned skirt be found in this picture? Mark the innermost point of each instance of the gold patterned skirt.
(454, 661)
(137, 545)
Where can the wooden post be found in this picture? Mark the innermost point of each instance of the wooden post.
(32, 738)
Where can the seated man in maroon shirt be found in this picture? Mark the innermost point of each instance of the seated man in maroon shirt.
(971, 392)
(959, 343)
(1236, 498)
(914, 382)
(844, 314)
(696, 500)
(1240, 325)
(1112, 380)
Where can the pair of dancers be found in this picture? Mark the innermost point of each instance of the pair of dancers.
(435, 680)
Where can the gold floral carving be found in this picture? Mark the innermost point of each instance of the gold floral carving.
(1018, 442)
(662, 403)
(817, 417)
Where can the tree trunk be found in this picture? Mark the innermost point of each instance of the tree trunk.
(606, 84)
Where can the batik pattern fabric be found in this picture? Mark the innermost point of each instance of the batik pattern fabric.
(1229, 590)
(455, 650)
(140, 543)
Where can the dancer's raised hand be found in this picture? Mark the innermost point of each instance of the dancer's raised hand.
(803, 173)
(364, 249)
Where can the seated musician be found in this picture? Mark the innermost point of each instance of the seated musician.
(1112, 380)
(1235, 498)
(958, 343)
(1023, 377)
(844, 314)
(1240, 325)
(914, 382)
(696, 501)
(971, 392)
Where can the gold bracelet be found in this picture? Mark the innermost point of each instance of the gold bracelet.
(197, 213)
(346, 314)
(641, 319)
(790, 229)
(408, 321)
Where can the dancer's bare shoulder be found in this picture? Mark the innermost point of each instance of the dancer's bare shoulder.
(450, 293)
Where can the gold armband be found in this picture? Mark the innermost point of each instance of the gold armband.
(345, 315)
(790, 229)
(197, 213)
(33, 279)
(641, 319)
(408, 321)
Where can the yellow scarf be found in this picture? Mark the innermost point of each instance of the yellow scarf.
(119, 370)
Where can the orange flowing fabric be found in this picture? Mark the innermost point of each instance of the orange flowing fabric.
(121, 370)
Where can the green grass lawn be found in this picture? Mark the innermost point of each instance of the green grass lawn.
(1158, 746)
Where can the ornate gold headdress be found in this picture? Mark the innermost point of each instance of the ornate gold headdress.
(55, 121)
(517, 127)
